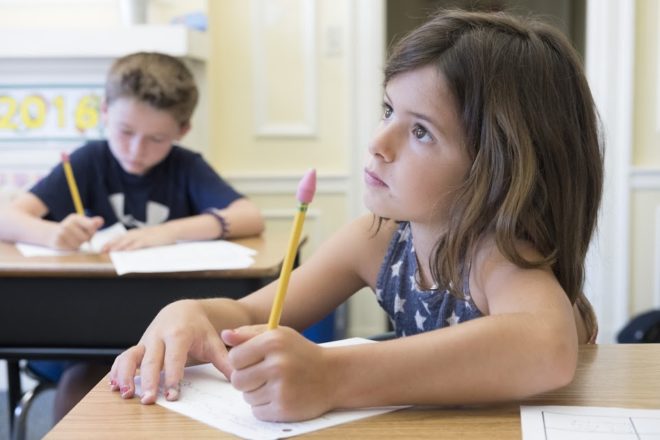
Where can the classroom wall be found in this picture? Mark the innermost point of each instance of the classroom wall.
(282, 98)
(645, 172)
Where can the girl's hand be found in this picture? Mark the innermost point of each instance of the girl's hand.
(180, 332)
(282, 375)
(73, 231)
(140, 238)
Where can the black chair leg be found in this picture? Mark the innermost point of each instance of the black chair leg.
(19, 428)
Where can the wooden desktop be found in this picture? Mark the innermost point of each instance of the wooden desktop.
(75, 306)
(607, 375)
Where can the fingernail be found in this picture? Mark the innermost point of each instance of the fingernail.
(124, 391)
(172, 394)
(146, 397)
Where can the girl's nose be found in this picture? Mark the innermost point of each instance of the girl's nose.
(383, 143)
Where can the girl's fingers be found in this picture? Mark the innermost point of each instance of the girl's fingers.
(124, 368)
(176, 356)
(150, 368)
(249, 380)
(218, 356)
(242, 334)
(257, 397)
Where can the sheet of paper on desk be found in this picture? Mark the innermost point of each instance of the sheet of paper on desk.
(94, 246)
(206, 396)
(588, 423)
(184, 257)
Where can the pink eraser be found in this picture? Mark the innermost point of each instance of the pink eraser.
(65, 157)
(307, 187)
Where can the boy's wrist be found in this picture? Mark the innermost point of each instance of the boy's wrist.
(222, 221)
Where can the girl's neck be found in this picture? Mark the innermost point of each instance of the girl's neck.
(424, 239)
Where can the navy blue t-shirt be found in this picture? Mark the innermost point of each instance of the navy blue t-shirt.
(183, 184)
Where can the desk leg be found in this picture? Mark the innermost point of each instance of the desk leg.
(14, 391)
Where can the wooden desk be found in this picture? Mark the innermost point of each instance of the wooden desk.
(76, 306)
(608, 375)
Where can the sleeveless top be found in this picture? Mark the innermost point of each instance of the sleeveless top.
(410, 308)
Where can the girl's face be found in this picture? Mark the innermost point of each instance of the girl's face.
(417, 156)
(139, 135)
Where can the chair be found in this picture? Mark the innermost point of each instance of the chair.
(27, 399)
(643, 328)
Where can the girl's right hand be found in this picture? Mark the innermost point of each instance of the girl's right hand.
(74, 230)
(180, 332)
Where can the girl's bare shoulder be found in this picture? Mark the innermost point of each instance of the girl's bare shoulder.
(363, 245)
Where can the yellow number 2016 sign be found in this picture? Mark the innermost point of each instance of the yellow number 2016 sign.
(50, 112)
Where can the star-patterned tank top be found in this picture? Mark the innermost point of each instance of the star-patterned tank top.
(410, 308)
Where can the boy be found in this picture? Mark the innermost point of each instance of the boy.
(160, 192)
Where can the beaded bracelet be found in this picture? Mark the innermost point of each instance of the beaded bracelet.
(221, 219)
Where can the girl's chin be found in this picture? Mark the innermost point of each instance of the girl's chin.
(375, 207)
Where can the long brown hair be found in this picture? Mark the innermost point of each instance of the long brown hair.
(531, 132)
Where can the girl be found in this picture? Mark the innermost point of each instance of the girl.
(485, 176)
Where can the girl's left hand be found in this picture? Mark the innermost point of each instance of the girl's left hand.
(283, 376)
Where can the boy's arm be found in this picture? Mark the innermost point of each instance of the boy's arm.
(241, 218)
(21, 221)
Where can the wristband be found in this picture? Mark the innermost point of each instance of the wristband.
(221, 219)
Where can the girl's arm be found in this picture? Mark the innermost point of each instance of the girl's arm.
(189, 330)
(241, 218)
(527, 344)
(21, 221)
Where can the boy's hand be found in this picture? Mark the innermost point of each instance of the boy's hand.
(74, 230)
(180, 332)
(282, 375)
(140, 238)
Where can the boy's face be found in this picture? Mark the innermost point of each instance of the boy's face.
(139, 135)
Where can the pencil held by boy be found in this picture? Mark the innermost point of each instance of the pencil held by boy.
(473, 248)
(139, 177)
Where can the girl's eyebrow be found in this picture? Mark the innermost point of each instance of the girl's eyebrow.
(428, 120)
(421, 116)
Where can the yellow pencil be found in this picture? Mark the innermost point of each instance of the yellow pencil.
(73, 188)
(305, 194)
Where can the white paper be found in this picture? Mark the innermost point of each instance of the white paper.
(183, 257)
(208, 397)
(589, 423)
(94, 246)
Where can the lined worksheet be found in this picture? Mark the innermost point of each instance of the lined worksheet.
(208, 397)
(589, 423)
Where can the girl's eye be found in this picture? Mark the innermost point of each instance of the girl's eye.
(421, 133)
(387, 111)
